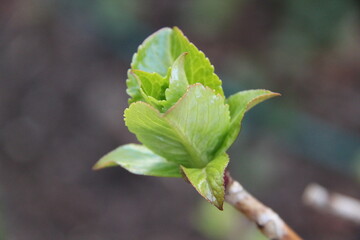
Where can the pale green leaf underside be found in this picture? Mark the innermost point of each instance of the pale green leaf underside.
(154, 53)
(189, 133)
(209, 181)
(239, 103)
(160, 50)
(140, 160)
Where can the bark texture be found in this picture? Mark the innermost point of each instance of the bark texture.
(268, 221)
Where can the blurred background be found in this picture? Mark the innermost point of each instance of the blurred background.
(63, 68)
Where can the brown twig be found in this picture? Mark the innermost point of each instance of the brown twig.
(269, 222)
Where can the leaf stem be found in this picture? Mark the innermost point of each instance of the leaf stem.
(268, 221)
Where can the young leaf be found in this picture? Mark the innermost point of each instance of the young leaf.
(158, 53)
(133, 88)
(153, 84)
(150, 82)
(188, 133)
(209, 181)
(178, 82)
(240, 103)
(154, 54)
(197, 67)
(140, 160)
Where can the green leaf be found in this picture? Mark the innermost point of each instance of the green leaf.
(133, 88)
(239, 104)
(160, 50)
(140, 160)
(209, 181)
(197, 66)
(151, 57)
(178, 82)
(189, 133)
(154, 54)
(153, 84)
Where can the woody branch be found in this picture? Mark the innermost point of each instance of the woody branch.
(269, 222)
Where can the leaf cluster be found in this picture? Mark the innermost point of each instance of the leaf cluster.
(179, 113)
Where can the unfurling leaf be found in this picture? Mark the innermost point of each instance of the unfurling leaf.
(159, 52)
(178, 82)
(153, 84)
